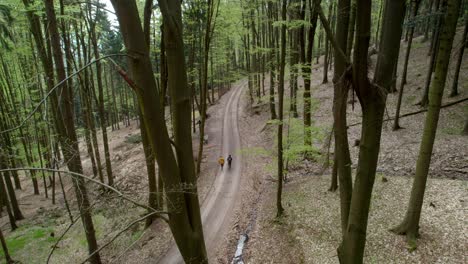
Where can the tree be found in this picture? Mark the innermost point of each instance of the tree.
(410, 224)
(414, 9)
(177, 168)
(211, 7)
(68, 137)
(99, 77)
(8, 258)
(279, 206)
(372, 97)
(340, 92)
(307, 72)
(463, 44)
(271, 57)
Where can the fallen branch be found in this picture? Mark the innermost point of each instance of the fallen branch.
(417, 112)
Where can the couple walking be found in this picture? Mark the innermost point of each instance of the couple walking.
(221, 161)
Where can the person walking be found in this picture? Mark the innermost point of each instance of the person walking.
(221, 162)
(229, 160)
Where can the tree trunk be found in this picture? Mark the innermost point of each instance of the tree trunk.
(454, 91)
(8, 258)
(204, 84)
(352, 26)
(414, 9)
(465, 128)
(149, 157)
(271, 42)
(103, 123)
(372, 99)
(327, 50)
(177, 169)
(68, 137)
(279, 206)
(410, 224)
(4, 198)
(307, 73)
(342, 155)
(428, 21)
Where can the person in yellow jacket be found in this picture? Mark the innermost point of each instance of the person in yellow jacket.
(221, 162)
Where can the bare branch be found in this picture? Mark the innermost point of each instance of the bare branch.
(121, 232)
(120, 194)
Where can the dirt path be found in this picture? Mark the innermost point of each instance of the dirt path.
(217, 207)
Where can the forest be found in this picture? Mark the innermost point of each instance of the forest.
(233, 131)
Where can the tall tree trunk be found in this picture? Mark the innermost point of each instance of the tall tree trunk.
(410, 224)
(204, 85)
(342, 155)
(327, 50)
(307, 73)
(414, 10)
(372, 99)
(463, 45)
(428, 21)
(352, 26)
(6, 202)
(68, 137)
(8, 258)
(103, 123)
(465, 128)
(149, 157)
(279, 206)
(177, 169)
(272, 46)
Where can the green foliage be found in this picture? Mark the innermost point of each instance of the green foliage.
(294, 148)
(134, 139)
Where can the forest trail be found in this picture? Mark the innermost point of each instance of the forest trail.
(217, 205)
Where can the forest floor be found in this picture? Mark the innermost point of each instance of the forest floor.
(44, 222)
(310, 232)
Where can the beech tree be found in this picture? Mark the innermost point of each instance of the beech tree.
(279, 206)
(410, 224)
(176, 166)
(372, 97)
(68, 138)
(463, 44)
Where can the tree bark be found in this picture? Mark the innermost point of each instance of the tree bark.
(340, 81)
(414, 9)
(177, 169)
(279, 206)
(454, 91)
(271, 42)
(8, 258)
(410, 224)
(372, 98)
(307, 73)
(68, 137)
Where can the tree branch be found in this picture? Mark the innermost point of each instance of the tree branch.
(329, 33)
(417, 112)
(120, 194)
(121, 232)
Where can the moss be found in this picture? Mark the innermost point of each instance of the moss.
(29, 238)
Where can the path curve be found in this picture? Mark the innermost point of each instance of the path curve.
(219, 202)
